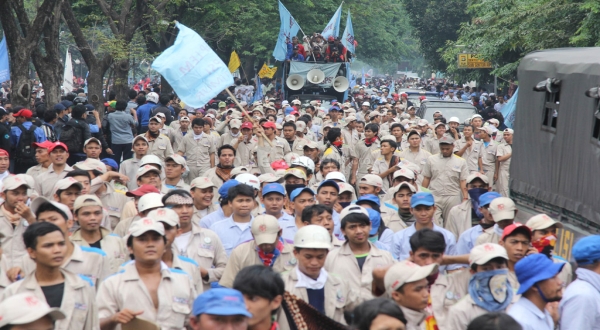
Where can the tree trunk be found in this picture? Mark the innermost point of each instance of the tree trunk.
(95, 97)
(121, 85)
(19, 77)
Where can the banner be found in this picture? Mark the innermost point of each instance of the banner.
(4, 63)
(333, 27)
(302, 69)
(509, 110)
(234, 62)
(266, 72)
(68, 75)
(258, 94)
(289, 28)
(193, 69)
(348, 36)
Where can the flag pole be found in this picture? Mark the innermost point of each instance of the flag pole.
(247, 115)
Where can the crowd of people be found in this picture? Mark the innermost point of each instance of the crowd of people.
(277, 214)
(318, 49)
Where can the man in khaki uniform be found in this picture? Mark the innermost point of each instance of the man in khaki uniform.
(224, 169)
(129, 167)
(469, 149)
(504, 155)
(395, 213)
(87, 211)
(296, 143)
(349, 132)
(363, 150)
(342, 152)
(125, 296)
(245, 145)
(202, 190)
(488, 153)
(175, 167)
(357, 257)
(56, 171)
(309, 281)
(232, 134)
(415, 154)
(432, 145)
(42, 157)
(278, 148)
(199, 150)
(460, 216)
(77, 297)
(387, 163)
(445, 174)
(159, 144)
(176, 134)
(503, 210)
(267, 248)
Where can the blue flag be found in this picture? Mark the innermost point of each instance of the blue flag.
(333, 27)
(393, 87)
(196, 73)
(509, 110)
(4, 64)
(258, 95)
(362, 79)
(348, 36)
(288, 29)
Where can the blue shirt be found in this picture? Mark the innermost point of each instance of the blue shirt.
(230, 234)
(580, 304)
(401, 244)
(144, 111)
(386, 240)
(530, 317)
(467, 240)
(212, 218)
(15, 133)
(337, 226)
(120, 127)
(287, 223)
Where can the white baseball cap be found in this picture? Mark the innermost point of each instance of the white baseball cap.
(249, 179)
(304, 162)
(372, 180)
(300, 126)
(165, 215)
(265, 229)
(477, 175)
(295, 172)
(345, 187)
(143, 225)
(65, 184)
(149, 201)
(145, 169)
(397, 188)
(406, 272)
(13, 182)
(268, 177)
(26, 308)
(312, 237)
(353, 209)
(36, 203)
(91, 164)
(542, 221)
(178, 159)
(502, 208)
(453, 120)
(92, 139)
(335, 175)
(404, 172)
(235, 123)
(483, 253)
(151, 159)
(366, 104)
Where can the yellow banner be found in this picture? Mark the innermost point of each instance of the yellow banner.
(234, 62)
(472, 61)
(267, 72)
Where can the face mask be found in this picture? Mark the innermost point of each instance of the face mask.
(491, 290)
(374, 239)
(545, 245)
(474, 194)
(345, 204)
(291, 187)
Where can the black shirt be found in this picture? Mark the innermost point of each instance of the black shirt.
(54, 294)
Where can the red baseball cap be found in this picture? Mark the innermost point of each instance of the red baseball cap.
(269, 124)
(279, 165)
(515, 226)
(246, 125)
(57, 145)
(44, 145)
(3, 152)
(24, 113)
(294, 113)
(142, 190)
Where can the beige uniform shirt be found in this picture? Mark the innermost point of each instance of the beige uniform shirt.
(415, 320)
(126, 290)
(78, 303)
(13, 247)
(350, 137)
(114, 203)
(227, 138)
(391, 218)
(343, 263)
(419, 158)
(446, 291)
(190, 267)
(123, 226)
(279, 149)
(489, 236)
(338, 295)
(445, 174)
(160, 147)
(206, 249)
(197, 152)
(36, 170)
(111, 244)
(461, 314)
(488, 156)
(380, 165)
(176, 135)
(246, 254)
(504, 149)
(129, 168)
(199, 214)
(345, 159)
(472, 154)
(180, 185)
(363, 153)
(432, 145)
(44, 183)
(298, 145)
(459, 219)
(244, 155)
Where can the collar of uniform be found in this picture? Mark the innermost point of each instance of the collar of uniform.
(345, 250)
(71, 280)
(336, 242)
(232, 223)
(131, 273)
(67, 168)
(77, 254)
(413, 317)
(196, 229)
(528, 305)
(76, 236)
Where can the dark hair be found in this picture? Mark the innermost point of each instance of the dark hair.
(141, 99)
(394, 112)
(198, 122)
(358, 122)
(271, 116)
(75, 173)
(428, 239)
(304, 119)
(35, 230)
(49, 207)
(49, 116)
(498, 260)
(316, 209)
(178, 192)
(355, 218)
(364, 314)
(469, 125)
(328, 161)
(40, 109)
(393, 144)
(112, 95)
(225, 146)
(259, 281)
(164, 99)
(240, 190)
(333, 134)
(130, 244)
(132, 94)
(494, 321)
(78, 111)
(121, 105)
(394, 125)
(372, 127)
(289, 124)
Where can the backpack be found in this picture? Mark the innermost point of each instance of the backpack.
(72, 136)
(25, 150)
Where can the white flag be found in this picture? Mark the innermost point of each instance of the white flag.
(68, 76)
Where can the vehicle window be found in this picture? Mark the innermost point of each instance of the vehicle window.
(596, 131)
(551, 106)
(462, 113)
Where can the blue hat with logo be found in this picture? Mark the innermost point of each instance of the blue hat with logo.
(488, 197)
(273, 188)
(288, 110)
(535, 268)
(422, 198)
(375, 218)
(220, 301)
(370, 198)
(587, 250)
(334, 108)
(225, 187)
(110, 162)
(329, 183)
(298, 191)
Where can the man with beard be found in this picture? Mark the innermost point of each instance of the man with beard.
(222, 172)
(199, 150)
(159, 145)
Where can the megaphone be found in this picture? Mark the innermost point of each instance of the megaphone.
(315, 76)
(340, 84)
(295, 82)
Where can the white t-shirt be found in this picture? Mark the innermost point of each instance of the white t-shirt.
(182, 241)
(242, 225)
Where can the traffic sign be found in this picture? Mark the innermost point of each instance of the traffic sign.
(472, 61)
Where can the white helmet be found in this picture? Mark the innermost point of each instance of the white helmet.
(304, 162)
(152, 97)
(249, 179)
(151, 159)
(150, 200)
(312, 237)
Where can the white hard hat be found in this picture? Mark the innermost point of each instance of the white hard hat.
(335, 175)
(453, 120)
(312, 237)
(152, 97)
(249, 179)
(150, 200)
(151, 159)
(304, 162)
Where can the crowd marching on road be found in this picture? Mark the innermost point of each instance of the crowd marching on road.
(281, 215)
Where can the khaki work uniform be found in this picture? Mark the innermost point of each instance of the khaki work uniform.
(488, 160)
(459, 218)
(129, 168)
(447, 291)
(415, 320)
(78, 303)
(113, 203)
(365, 161)
(36, 170)
(391, 218)
(197, 153)
(190, 267)
(111, 244)
(489, 236)
(44, 183)
(246, 254)
(160, 147)
(461, 314)
(206, 249)
(432, 145)
(123, 227)
(13, 247)
(343, 263)
(199, 214)
(419, 158)
(503, 170)
(4, 281)
(338, 295)
(180, 185)
(227, 138)
(445, 175)
(176, 135)
(244, 155)
(298, 145)
(350, 137)
(471, 154)
(126, 290)
(279, 149)
(89, 262)
(345, 158)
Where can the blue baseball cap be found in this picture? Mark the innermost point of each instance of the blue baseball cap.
(90, 107)
(110, 162)
(225, 187)
(587, 250)
(220, 301)
(59, 107)
(422, 198)
(298, 191)
(370, 198)
(535, 268)
(329, 183)
(273, 187)
(473, 94)
(488, 197)
(334, 108)
(375, 221)
(288, 110)
(66, 103)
